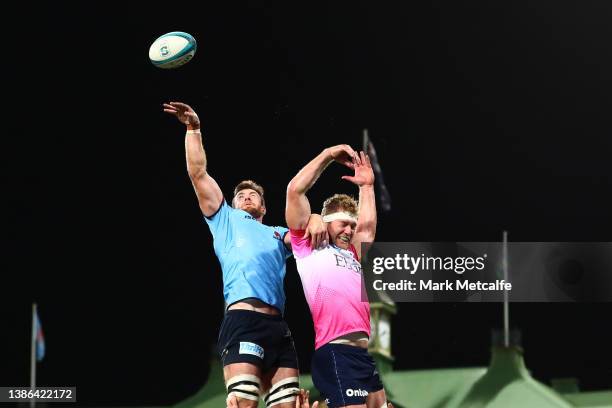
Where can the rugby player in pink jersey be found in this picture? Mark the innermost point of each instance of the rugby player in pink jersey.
(342, 369)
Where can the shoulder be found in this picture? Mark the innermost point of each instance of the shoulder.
(299, 245)
(223, 215)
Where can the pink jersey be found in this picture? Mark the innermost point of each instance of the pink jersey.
(331, 278)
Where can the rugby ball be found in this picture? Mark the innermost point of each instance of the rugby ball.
(172, 50)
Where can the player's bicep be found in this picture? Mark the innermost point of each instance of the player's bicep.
(297, 210)
(209, 194)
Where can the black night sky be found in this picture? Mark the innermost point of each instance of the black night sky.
(485, 115)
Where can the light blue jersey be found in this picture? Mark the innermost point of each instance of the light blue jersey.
(252, 256)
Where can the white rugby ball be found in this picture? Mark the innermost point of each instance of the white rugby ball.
(172, 50)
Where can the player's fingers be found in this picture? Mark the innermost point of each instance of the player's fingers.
(320, 239)
(349, 178)
(183, 106)
(357, 160)
(323, 240)
(171, 111)
(368, 162)
(300, 399)
(313, 241)
(316, 404)
(177, 108)
(349, 164)
(348, 149)
(362, 156)
(306, 233)
(232, 401)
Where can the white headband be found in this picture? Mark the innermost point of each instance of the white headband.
(342, 216)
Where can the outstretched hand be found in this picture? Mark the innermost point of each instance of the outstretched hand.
(184, 113)
(364, 175)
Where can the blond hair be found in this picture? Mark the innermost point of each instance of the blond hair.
(340, 202)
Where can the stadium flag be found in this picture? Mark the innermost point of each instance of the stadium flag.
(383, 194)
(40, 338)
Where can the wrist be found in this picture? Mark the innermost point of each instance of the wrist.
(366, 187)
(327, 155)
(195, 126)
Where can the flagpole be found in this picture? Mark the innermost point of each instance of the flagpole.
(383, 194)
(506, 305)
(33, 356)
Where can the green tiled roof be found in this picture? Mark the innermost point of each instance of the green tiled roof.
(599, 399)
(506, 383)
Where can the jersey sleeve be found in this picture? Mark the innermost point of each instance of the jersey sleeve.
(282, 231)
(219, 222)
(300, 246)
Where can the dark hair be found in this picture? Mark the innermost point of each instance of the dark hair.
(244, 184)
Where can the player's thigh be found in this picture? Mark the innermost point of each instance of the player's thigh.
(281, 385)
(376, 399)
(244, 381)
(345, 376)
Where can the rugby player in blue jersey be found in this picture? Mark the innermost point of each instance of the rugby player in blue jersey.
(255, 344)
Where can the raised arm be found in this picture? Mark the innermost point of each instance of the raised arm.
(365, 231)
(297, 210)
(209, 194)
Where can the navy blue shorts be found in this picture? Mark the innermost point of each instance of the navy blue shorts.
(257, 338)
(344, 375)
